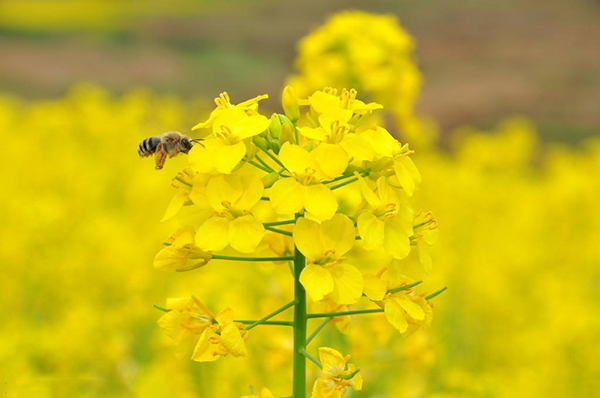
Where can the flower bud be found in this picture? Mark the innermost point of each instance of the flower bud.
(260, 142)
(275, 146)
(270, 179)
(287, 130)
(275, 126)
(289, 103)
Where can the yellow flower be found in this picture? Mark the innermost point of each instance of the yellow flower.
(187, 319)
(327, 101)
(425, 234)
(231, 197)
(386, 146)
(225, 151)
(337, 376)
(183, 183)
(223, 103)
(264, 393)
(387, 221)
(180, 251)
(401, 308)
(326, 272)
(221, 338)
(304, 189)
(334, 129)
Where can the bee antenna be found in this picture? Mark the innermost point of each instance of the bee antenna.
(197, 140)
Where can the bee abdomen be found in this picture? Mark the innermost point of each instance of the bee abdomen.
(148, 146)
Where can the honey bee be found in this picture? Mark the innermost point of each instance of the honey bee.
(170, 144)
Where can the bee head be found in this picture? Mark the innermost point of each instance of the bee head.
(186, 145)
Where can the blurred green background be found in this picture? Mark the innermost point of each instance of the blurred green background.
(482, 59)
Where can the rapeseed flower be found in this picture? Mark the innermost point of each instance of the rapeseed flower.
(326, 272)
(179, 251)
(338, 375)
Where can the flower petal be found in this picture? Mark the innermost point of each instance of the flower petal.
(213, 235)
(332, 360)
(176, 203)
(317, 281)
(371, 230)
(411, 308)
(245, 233)
(228, 156)
(331, 158)
(232, 340)
(203, 352)
(374, 288)
(395, 314)
(307, 237)
(320, 201)
(223, 189)
(348, 283)
(338, 234)
(201, 157)
(251, 126)
(395, 240)
(296, 159)
(286, 196)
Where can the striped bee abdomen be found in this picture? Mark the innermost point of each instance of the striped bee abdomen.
(148, 146)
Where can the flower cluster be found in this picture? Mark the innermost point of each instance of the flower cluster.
(312, 186)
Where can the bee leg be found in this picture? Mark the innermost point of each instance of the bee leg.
(160, 157)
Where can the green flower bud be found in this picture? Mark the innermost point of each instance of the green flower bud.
(275, 126)
(290, 104)
(270, 179)
(261, 142)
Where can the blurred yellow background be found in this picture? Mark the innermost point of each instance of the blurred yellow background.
(81, 83)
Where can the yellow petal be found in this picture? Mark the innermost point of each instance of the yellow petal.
(307, 237)
(357, 147)
(176, 203)
(370, 196)
(424, 257)
(170, 259)
(320, 201)
(319, 133)
(228, 156)
(331, 158)
(323, 102)
(411, 308)
(371, 231)
(395, 314)
(295, 158)
(213, 235)
(382, 142)
(375, 288)
(287, 196)
(198, 193)
(245, 233)
(201, 157)
(170, 324)
(225, 317)
(395, 240)
(251, 103)
(203, 352)
(232, 340)
(407, 174)
(338, 234)
(333, 361)
(251, 126)
(222, 190)
(253, 189)
(348, 283)
(357, 382)
(323, 388)
(317, 281)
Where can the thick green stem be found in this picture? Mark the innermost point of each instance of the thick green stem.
(300, 321)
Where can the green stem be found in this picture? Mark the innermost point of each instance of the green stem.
(300, 321)
(275, 223)
(312, 359)
(259, 166)
(272, 323)
(315, 332)
(279, 231)
(435, 294)
(272, 314)
(344, 313)
(263, 163)
(235, 258)
(405, 287)
(269, 154)
(343, 184)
